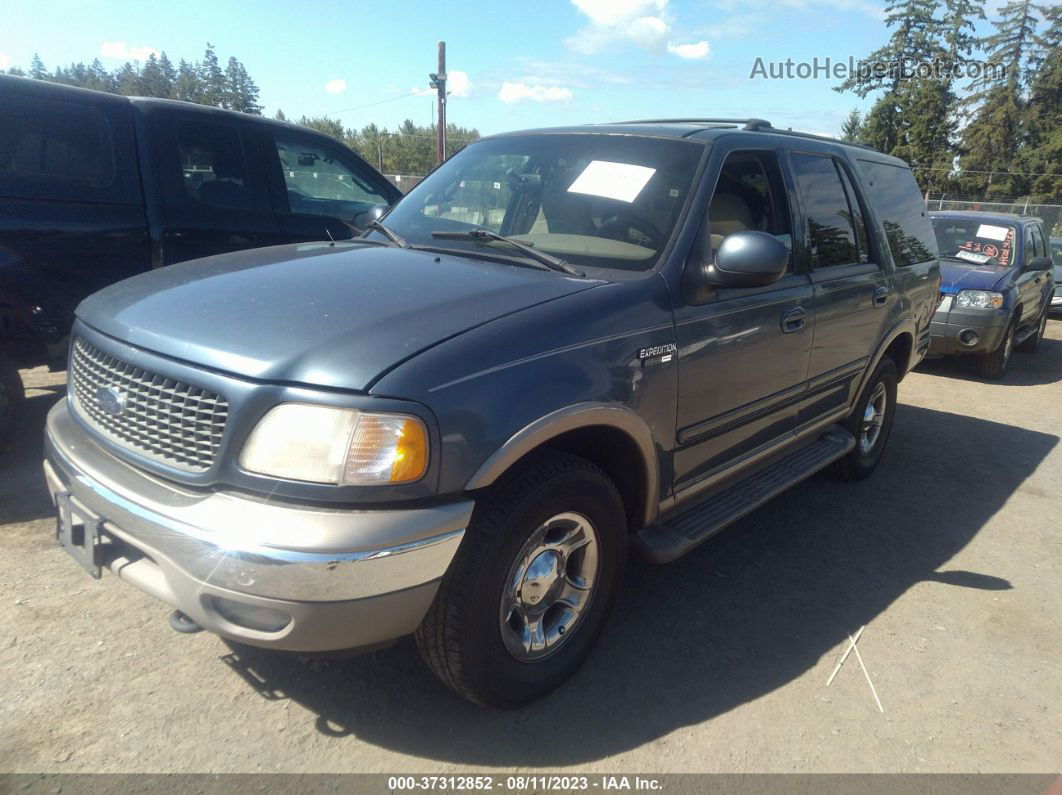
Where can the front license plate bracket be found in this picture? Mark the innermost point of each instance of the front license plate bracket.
(78, 534)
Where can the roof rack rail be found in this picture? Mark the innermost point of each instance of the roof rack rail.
(756, 125)
(750, 124)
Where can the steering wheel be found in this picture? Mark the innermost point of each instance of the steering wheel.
(618, 226)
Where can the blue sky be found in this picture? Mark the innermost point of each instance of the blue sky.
(513, 65)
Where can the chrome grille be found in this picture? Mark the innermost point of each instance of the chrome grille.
(167, 420)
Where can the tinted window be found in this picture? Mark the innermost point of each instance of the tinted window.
(1056, 251)
(750, 195)
(52, 152)
(1030, 246)
(899, 203)
(1038, 240)
(213, 165)
(857, 215)
(831, 233)
(320, 183)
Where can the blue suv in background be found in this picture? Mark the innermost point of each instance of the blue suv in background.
(996, 287)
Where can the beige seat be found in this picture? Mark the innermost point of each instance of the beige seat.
(728, 213)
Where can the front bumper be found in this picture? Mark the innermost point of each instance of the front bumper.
(983, 329)
(345, 578)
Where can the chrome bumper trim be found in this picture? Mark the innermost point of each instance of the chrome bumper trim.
(247, 546)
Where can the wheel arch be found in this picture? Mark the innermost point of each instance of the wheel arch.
(613, 437)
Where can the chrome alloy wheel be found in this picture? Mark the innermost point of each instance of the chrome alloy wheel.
(549, 587)
(873, 418)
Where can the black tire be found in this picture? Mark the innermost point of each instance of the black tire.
(461, 637)
(12, 396)
(1032, 344)
(861, 462)
(994, 364)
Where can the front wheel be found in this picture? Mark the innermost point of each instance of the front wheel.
(994, 364)
(532, 584)
(870, 423)
(12, 395)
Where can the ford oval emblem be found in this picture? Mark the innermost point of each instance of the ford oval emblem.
(111, 401)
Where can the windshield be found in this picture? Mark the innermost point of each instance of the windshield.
(975, 241)
(593, 200)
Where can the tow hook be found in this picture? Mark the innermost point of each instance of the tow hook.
(179, 622)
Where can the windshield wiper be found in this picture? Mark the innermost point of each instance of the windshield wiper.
(391, 235)
(552, 263)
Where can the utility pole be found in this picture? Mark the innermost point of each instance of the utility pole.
(438, 82)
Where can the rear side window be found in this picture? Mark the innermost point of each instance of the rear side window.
(903, 212)
(831, 227)
(55, 152)
(214, 166)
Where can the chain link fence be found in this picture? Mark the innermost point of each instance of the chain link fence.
(1050, 213)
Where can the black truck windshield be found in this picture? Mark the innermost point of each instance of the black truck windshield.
(592, 200)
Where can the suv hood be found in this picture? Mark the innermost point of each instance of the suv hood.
(315, 314)
(955, 276)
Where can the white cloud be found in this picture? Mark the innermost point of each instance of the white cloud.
(643, 23)
(458, 84)
(337, 85)
(5, 61)
(690, 52)
(515, 92)
(122, 51)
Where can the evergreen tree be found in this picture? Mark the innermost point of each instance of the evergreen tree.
(852, 126)
(127, 80)
(152, 80)
(991, 141)
(1041, 153)
(241, 93)
(212, 88)
(187, 87)
(280, 115)
(169, 75)
(37, 70)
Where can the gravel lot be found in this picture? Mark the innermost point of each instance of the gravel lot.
(950, 556)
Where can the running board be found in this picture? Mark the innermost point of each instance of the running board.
(673, 537)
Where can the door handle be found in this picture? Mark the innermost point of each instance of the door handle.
(793, 320)
(881, 296)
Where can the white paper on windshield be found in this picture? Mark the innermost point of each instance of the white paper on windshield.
(991, 232)
(621, 181)
(972, 256)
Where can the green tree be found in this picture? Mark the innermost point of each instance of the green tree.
(241, 93)
(37, 70)
(280, 115)
(127, 80)
(332, 127)
(852, 126)
(152, 80)
(187, 87)
(169, 75)
(1041, 152)
(212, 87)
(991, 141)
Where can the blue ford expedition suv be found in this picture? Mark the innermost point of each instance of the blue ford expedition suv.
(562, 346)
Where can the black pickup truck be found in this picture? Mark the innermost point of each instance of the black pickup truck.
(96, 187)
(560, 345)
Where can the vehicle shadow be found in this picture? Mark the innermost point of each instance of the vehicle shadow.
(1035, 369)
(23, 494)
(746, 613)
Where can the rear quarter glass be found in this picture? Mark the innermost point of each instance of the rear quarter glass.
(902, 211)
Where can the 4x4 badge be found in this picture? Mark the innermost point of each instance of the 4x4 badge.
(657, 354)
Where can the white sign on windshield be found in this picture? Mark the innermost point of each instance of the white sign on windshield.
(992, 232)
(972, 256)
(621, 181)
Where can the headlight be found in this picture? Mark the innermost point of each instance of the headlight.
(979, 299)
(322, 444)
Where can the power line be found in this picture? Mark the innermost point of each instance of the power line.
(379, 101)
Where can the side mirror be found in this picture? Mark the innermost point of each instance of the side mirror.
(744, 259)
(1038, 264)
(374, 213)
